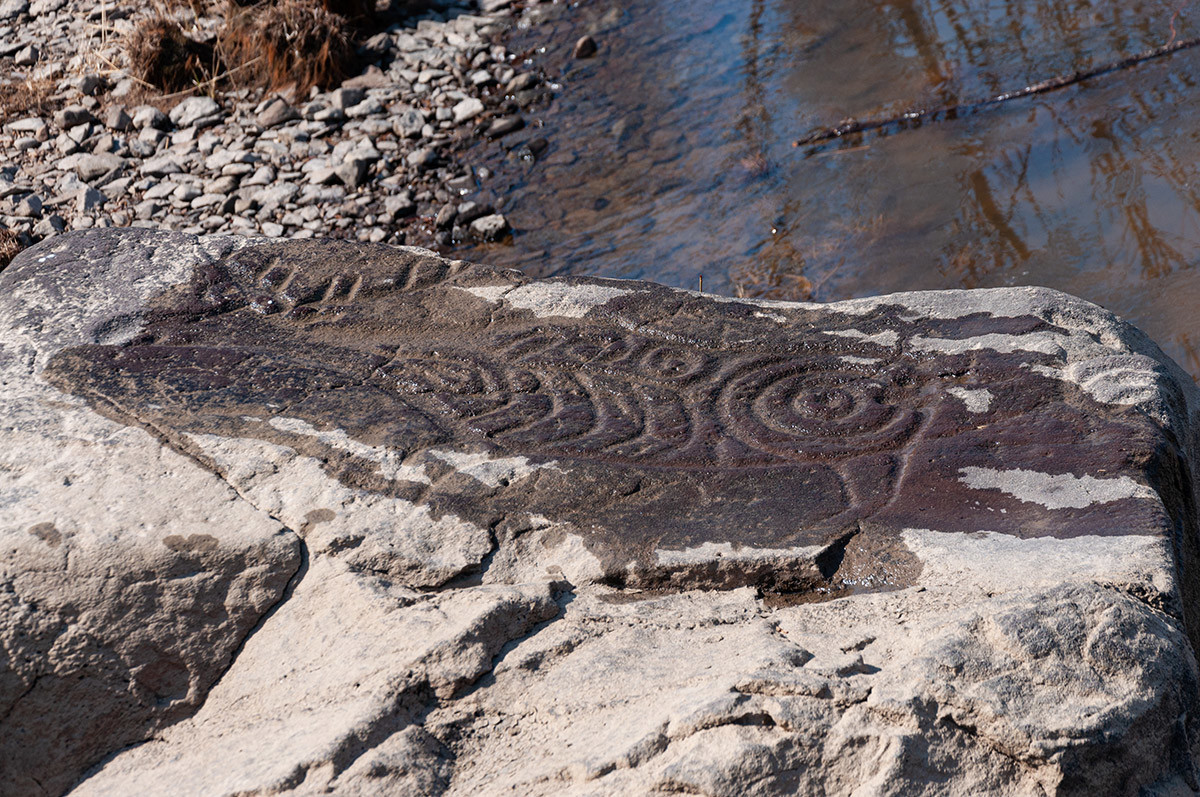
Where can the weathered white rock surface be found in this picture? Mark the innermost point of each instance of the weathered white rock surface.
(327, 518)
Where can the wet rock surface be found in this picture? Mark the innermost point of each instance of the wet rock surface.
(443, 528)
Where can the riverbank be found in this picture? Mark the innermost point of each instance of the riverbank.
(379, 157)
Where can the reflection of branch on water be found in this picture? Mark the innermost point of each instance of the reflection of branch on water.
(914, 118)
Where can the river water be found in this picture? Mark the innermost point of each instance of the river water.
(670, 154)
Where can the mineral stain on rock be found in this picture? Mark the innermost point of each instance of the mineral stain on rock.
(47, 533)
(669, 430)
(193, 543)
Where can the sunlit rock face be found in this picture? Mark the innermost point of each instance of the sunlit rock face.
(318, 516)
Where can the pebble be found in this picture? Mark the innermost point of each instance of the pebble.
(91, 167)
(277, 112)
(585, 47)
(408, 124)
(29, 207)
(11, 9)
(89, 199)
(504, 125)
(148, 116)
(422, 159)
(467, 109)
(49, 226)
(117, 118)
(33, 125)
(344, 98)
(27, 56)
(489, 228)
(400, 205)
(445, 217)
(73, 116)
(196, 111)
(159, 167)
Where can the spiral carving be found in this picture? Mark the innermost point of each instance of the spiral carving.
(795, 410)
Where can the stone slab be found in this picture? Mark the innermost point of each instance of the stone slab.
(470, 532)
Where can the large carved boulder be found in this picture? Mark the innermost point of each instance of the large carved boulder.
(319, 517)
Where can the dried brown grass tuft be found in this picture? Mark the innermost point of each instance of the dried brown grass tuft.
(30, 97)
(10, 245)
(298, 43)
(162, 56)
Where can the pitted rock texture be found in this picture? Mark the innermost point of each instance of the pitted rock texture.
(445, 529)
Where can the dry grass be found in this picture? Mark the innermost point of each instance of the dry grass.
(162, 56)
(298, 43)
(10, 245)
(27, 98)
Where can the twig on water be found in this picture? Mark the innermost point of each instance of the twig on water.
(919, 116)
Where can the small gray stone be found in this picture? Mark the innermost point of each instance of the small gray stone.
(330, 116)
(352, 173)
(73, 116)
(92, 167)
(30, 207)
(344, 98)
(367, 107)
(116, 118)
(585, 47)
(208, 201)
(196, 111)
(186, 192)
(89, 199)
(89, 84)
(11, 9)
(158, 167)
(422, 159)
(222, 185)
(469, 211)
(148, 116)
(147, 209)
(489, 228)
(276, 195)
(49, 226)
(522, 82)
(505, 125)
(400, 205)
(140, 149)
(408, 124)
(445, 217)
(278, 111)
(264, 175)
(27, 56)
(271, 229)
(467, 109)
(33, 125)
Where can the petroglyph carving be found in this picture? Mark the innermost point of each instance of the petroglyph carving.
(672, 421)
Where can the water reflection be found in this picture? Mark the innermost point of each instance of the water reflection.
(670, 154)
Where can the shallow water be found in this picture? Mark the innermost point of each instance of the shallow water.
(670, 153)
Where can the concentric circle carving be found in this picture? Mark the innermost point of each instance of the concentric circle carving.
(800, 410)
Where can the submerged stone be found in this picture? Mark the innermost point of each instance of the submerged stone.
(897, 484)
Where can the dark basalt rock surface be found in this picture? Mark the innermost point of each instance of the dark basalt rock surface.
(673, 420)
(442, 431)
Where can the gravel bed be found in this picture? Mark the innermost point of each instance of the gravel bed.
(382, 157)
